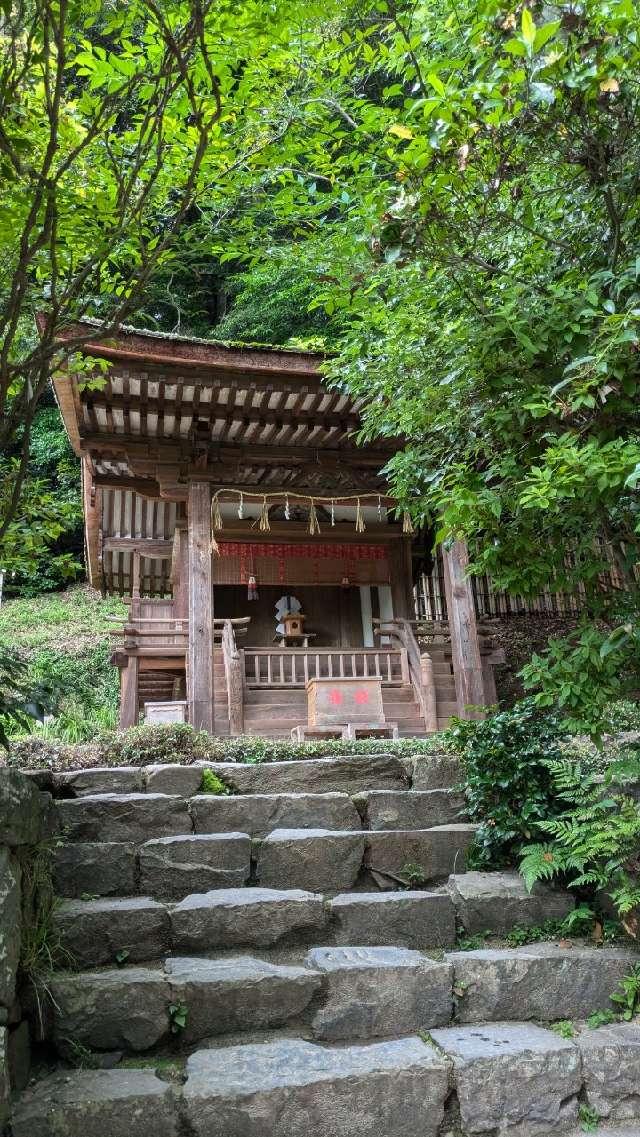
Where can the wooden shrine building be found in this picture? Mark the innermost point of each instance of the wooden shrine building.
(254, 541)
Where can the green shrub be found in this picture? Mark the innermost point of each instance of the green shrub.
(509, 787)
(180, 743)
(594, 843)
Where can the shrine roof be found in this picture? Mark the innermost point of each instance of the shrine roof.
(170, 408)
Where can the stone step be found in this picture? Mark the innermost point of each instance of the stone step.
(543, 981)
(417, 855)
(259, 814)
(93, 931)
(248, 917)
(499, 901)
(98, 1103)
(413, 809)
(319, 775)
(434, 771)
(118, 817)
(129, 1008)
(412, 919)
(508, 1079)
(371, 992)
(290, 1087)
(173, 867)
(313, 858)
(284, 1088)
(322, 860)
(512, 1078)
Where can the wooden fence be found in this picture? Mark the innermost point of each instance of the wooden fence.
(431, 601)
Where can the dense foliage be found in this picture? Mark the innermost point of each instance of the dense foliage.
(593, 845)
(468, 203)
(508, 783)
(120, 124)
(21, 699)
(448, 194)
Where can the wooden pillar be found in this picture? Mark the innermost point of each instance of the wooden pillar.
(200, 648)
(180, 573)
(129, 693)
(465, 645)
(134, 607)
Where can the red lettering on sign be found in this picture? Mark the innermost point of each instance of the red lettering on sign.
(362, 697)
(335, 697)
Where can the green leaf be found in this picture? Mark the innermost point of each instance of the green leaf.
(528, 27)
(544, 34)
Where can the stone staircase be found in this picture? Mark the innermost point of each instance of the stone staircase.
(282, 961)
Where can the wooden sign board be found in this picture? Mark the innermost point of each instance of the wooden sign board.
(165, 712)
(332, 701)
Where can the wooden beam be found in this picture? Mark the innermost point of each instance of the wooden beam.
(465, 643)
(162, 451)
(144, 546)
(145, 487)
(200, 648)
(230, 412)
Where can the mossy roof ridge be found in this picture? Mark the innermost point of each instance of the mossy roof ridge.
(237, 345)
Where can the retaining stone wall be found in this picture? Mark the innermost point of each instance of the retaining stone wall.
(24, 821)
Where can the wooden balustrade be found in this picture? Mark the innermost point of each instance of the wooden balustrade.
(294, 667)
(419, 666)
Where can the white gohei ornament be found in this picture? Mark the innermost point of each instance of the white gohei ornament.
(286, 606)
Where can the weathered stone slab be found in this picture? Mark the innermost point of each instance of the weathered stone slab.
(611, 1070)
(94, 869)
(19, 1056)
(176, 866)
(436, 771)
(239, 993)
(95, 932)
(10, 924)
(21, 809)
(5, 1087)
(123, 817)
(409, 919)
(291, 1088)
(183, 781)
(318, 775)
(99, 780)
(398, 853)
(371, 991)
(88, 1103)
(540, 981)
(111, 1010)
(259, 814)
(411, 809)
(320, 860)
(498, 901)
(512, 1079)
(245, 917)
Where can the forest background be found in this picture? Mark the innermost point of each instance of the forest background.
(443, 196)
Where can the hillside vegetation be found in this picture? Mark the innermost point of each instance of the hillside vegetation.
(64, 637)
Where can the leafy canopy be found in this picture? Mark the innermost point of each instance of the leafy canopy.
(468, 201)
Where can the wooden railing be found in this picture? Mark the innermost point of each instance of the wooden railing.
(294, 667)
(233, 669)
(167, 635)
(420, 667)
